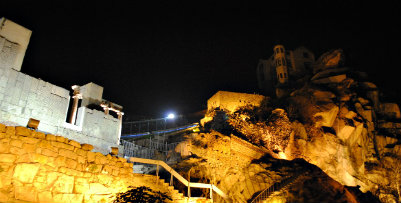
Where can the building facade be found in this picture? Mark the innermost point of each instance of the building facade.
(23, 97)
(282, 67)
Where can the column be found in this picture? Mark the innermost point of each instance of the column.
(76, 96)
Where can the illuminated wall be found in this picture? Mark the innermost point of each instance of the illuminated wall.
(231, 101)
(14, 40)
(38, 167)
(23, 97)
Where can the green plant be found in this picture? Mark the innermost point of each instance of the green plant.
(141, 194)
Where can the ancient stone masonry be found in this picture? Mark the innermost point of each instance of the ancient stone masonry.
(38, 167)
(231, 101)
(23, 97)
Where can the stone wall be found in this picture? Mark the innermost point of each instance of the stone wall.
(38, 167)
(8, 52)
(245, 148)
(231, 101)
(14, 40)
(23, 97)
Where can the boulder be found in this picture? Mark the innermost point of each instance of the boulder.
(329, 59)
(329, 72)
(331, 79)
(343, 130)
(390, 110)
(323, 95)
(363, 101)
(366, 114)
(368, 86)
(326, 116)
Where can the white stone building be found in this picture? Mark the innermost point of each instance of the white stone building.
(23, 97)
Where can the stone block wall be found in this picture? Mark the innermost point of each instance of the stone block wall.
(95, 122)
(38, 167)
(231, 101)
(8, 52)
(23, 97)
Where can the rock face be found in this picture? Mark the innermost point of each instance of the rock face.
(336, 123)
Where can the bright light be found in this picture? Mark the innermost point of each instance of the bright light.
(171, 116)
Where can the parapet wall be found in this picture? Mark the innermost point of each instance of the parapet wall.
(231, 101)
(38, 167)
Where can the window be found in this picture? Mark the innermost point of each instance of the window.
(282, 50)
(285, 75)
(306, 55)
(281, 75)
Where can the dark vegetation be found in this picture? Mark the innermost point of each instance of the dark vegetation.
(141, 195)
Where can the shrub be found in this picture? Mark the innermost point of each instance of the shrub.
(141, 194)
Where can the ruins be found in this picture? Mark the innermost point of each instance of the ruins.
(23, 97)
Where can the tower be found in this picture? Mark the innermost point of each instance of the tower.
(281, 64)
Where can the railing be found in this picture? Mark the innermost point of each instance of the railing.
(179, 177)
(133, 150)
(265, 194)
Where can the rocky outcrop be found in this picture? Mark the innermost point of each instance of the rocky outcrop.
(337, 122)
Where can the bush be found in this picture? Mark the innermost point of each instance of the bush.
(141, 194)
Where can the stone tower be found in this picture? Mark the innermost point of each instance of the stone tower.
(281, 64)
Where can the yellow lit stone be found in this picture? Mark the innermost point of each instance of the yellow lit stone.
(70, 163)
(68, 154)
(62, 145)
(39, 135)
(2, 128)
(81, 185)
(64, 184)
(87, 147)
(22, 131)
(30, 140)
(10, 130)
(68, 197)
(45, 197)
(16, 143)
(61, 139)
(25, 172)
(81, 152)
(3, 135)
(17, 151)
(30, 148)
(7, 158)
(97, 188)
(91, 156)
(4, 148)
(74, 143)
(48, 152)
(22, 194)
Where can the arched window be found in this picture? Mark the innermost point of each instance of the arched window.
(281, 75)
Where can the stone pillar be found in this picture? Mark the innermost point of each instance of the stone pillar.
(120, 120)
(76, 96)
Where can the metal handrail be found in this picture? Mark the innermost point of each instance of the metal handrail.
(178, 176)
(265, 194)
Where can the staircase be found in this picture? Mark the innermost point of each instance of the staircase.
(179, 197)
(277, 188)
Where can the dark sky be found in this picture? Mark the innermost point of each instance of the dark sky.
(169, 56)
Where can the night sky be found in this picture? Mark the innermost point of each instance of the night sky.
(168, 56)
